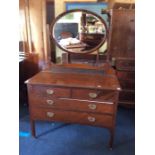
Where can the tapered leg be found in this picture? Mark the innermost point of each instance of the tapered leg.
(111, 138)
(69, 58)
(33, 132)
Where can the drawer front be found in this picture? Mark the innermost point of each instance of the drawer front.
(126, 75)
(128, 65)
(47, 92)
(72, 117)
(95, 95)
(129, 85)
(127, 96)
(76, 105)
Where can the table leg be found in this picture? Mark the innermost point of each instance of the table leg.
(111, 139)
(33, 132)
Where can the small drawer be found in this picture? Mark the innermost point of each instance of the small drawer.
(71, 117)
(47, 92)
(125, 64)
(76, 105)
(127, 96)
(125, 75)
(129, 85)
(96, 95)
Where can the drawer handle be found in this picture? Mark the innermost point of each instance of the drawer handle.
(92, 95)
(91, 119)
(50, 114)
(50, 91)
(50, 102)
(92, 106)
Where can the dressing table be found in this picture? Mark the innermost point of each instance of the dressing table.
(75, 93)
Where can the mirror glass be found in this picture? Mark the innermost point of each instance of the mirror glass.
(79, 31)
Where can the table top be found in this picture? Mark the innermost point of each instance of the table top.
(75, 80)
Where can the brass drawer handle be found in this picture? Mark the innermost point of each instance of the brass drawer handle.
(91, 119)
(50, 91)
(92, 95)
(50, 102)
(50, 114)
(92, 106)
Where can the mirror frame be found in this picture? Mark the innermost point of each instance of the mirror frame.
(85, 11)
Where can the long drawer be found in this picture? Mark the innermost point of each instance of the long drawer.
(124, 75)
(127, 96)
(125, 64)
(71, 117)
(74, 104)
(127, 85)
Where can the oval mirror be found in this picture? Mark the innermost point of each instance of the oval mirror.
(79, 31)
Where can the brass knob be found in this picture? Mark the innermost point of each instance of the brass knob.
(50, 114)
(50, 91)
(91, 119)
(92, 95)
(50, 102)
(92, 106)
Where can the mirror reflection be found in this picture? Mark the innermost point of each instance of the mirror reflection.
(79, 32)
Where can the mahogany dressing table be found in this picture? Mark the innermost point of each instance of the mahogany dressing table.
(75, 93)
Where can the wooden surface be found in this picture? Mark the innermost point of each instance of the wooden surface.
(125, 64)
(102, 69)
(125, 70)
(75, 80)
(82, 106)
(72, 117)
(88, 99)
(122, 42)
(122, 52)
